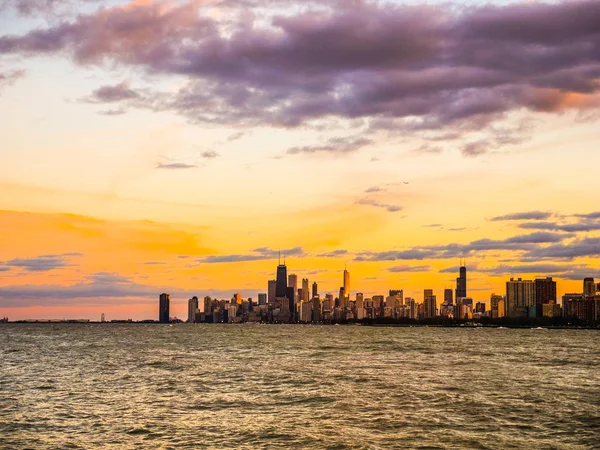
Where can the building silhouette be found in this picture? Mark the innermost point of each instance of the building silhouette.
(293, 282)
(545, 292)
(461, 282)
(448, 296)
(192, 309)
(271, 291)
(305, 290)
(315, 290)
(281, 280)
(163, 308)
(520, 296)
(346, 286)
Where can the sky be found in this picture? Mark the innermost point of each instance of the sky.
(178, 146)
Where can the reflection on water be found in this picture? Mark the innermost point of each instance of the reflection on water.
(249, 386)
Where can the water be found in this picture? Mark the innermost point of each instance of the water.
(279, 386)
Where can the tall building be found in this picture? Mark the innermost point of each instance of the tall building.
(262, 299)
(346, 284)
(398, 293)
(290, 295)
(207, 305)
(520, 296)
(163, 308)
(461, 282)
(192, 308)
(497, 306)
(293, 282)
(429, 304)
(305, 290)
(545, 292)
(315, 290)
(237, 298)
(589, 288)
(448, 296)
(281, 281)
(272, 291)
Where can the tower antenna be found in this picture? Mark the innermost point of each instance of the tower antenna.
(279, 258)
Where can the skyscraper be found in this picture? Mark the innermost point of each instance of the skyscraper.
(305, 290)
(293, 282)
(262, 299)
(163, 308)
(545, 292)
(346, 284)
(520, 295)
(281, 282)
(272, 291)
(461, 282)
(448, 296)
(315, 290)
(192, 308)
(429, 304)
(589, 288)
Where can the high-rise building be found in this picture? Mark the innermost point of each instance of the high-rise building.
(315, 290)
(448, 296)
(589, 288)
(316, 308)
(281, 281)
(305, 290)
(399, 294)
(262, 299)
(346, 284)
(495, 301)
(290, 295)
(461, 282)
(163, 308)
(520, 296)
(237, 298)
(207, 305)
(192, 308)
(429, 304)
(545, 292)
(272, 291)
(293, 282)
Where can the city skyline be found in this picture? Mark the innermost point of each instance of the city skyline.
(177, 147)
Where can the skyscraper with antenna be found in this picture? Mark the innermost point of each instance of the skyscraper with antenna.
(281, 280)
(346, 282)
(461, 281)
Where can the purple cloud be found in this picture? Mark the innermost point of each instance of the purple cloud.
(412, 68)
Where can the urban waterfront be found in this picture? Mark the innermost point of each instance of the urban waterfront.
(285, 386)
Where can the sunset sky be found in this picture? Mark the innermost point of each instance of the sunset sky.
(176, 146)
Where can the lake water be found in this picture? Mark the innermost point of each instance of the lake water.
(279, 386)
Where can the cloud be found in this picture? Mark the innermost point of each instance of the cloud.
(373, 202)
(400, 269)
(258, 254)
(42, 263)
(412, 67)
(209, 154)
(528, 215)
(537, 269)
(374, 189)
(113, 112)
(176, 165)
(112, 94)
(333, 145)
(522, 243)
(333, 254)
(429, 149)
(575, 249)
(474, 149)
(8, 78)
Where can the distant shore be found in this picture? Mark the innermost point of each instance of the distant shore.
(374, 324)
